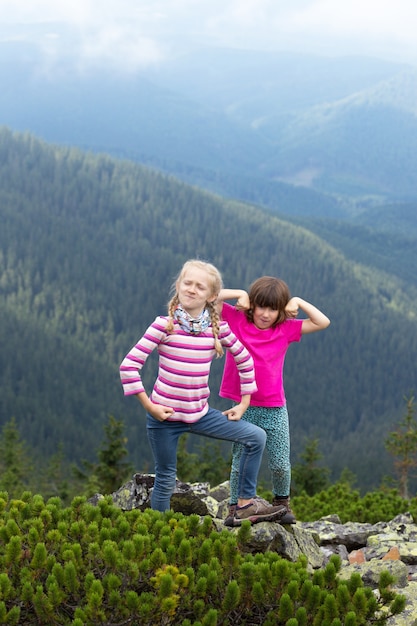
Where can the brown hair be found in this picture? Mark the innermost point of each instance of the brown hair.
(271, 292)
(216, 284)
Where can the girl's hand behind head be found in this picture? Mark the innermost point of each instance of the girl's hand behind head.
(243, 302)
(292, 307)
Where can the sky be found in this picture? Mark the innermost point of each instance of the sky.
(136, 33)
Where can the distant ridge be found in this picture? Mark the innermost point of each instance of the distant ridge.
(343, 127)
(89, 246)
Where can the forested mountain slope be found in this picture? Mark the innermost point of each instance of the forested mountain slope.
(342, 131)
(123, 114)
(89, 247)
(261, 87)
(363, 143)
(383, 237)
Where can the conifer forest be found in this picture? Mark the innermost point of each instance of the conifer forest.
(89, 248)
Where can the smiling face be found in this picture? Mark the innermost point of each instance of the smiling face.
(194, 290)
(264, 317)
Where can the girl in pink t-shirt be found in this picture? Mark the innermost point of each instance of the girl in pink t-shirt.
(265, 322)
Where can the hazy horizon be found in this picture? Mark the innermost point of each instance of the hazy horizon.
(129, 35)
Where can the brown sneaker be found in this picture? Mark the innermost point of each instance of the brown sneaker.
(288, 517)
(230, 517)
(258, 511)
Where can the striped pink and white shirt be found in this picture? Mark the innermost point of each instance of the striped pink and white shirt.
(184, 367)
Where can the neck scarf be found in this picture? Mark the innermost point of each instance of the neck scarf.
(193, 325)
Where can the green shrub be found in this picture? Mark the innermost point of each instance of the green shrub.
(93, 565)
(341, 499)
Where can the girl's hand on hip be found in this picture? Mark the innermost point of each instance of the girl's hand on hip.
(160, 412)
(235, 413)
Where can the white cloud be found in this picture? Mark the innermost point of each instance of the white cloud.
(118, 47)
(36, 11)
(379, 27)
(382, 19)
(144, 31)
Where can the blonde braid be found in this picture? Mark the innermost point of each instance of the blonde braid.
(172, 305)
(215, 323)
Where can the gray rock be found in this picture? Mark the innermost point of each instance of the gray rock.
(408, 617)
(370, 572)
(352, 535)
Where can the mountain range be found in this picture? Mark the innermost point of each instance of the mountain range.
(263, 163)
(90, 246)
(346, 127)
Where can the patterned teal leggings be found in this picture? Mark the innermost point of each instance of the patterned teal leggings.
(274, 421)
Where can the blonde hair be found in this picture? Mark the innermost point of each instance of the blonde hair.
(215, 283)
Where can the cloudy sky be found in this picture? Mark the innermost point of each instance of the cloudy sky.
(138, 32)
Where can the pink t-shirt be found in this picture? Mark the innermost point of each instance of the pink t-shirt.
(268, 349)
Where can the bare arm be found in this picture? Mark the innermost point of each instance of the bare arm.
(235, 413)
(234, 294)
(158, 411)
(316, 319)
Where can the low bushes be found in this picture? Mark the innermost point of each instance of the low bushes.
(376, 506)
(87, 565)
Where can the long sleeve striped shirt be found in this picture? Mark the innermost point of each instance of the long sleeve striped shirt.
(184, 367)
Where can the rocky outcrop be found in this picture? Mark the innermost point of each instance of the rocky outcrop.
(364, 548)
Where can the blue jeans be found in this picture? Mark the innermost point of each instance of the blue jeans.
(163, 438)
